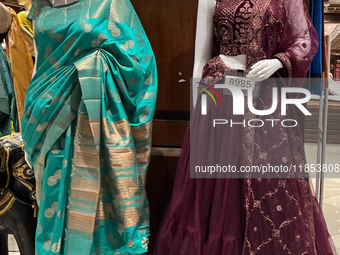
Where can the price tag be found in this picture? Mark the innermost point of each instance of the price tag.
(242, 83)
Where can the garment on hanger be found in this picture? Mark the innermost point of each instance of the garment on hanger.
(27, 31)
(87, 127)
(8, 113)
(250, 216)
(21, 62)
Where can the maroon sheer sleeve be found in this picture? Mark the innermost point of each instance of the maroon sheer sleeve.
(298, 42)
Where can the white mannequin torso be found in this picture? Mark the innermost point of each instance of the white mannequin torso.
(204, 45)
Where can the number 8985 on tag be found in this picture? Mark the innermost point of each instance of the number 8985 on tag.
(240, 82)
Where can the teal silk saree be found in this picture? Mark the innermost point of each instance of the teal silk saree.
(87, 127)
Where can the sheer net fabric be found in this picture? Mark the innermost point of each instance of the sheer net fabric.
(249, 216)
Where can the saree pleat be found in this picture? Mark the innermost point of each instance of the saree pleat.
(87, 129)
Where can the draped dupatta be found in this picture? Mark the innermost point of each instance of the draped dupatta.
(280, 213)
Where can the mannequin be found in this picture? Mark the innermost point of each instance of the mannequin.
(218, 212)
(263, 69)
(94, 65)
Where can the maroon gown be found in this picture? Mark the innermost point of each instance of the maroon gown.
(249, 216)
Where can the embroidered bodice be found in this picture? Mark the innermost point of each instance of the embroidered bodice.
(251, 27)
(232, 25)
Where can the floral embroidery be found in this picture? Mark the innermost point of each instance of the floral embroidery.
(281, 183)
(256, 28)
(257, 203)
(276, 233)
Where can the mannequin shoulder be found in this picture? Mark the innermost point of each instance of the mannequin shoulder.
(5, 18)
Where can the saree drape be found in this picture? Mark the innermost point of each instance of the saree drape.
(87, 127)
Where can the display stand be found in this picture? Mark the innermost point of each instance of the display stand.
(322, 138)
(322, 129)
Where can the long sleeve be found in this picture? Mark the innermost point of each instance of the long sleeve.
(298, 42)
